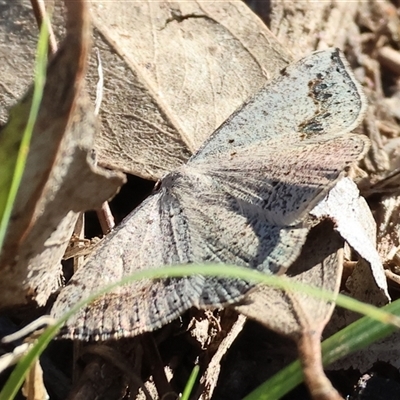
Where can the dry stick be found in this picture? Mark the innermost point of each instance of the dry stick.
(309, 347)
(392, 276)
(105, 217)
(9, 359)
(34, 387)
(390, 58)
(209, 380)
(44, 320)
(39, 9)
(79, 231)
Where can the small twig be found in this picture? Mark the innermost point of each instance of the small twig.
(39, 9)
(44, 320)
(79, 231)
(34, 387)
(105, 217)
(211, 375)
(390, 58)
(392, 276)
(309, 347)
(9, 359)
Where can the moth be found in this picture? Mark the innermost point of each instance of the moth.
(242, 199)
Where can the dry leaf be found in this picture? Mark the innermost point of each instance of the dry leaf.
(60, 177)
(18, 38)
(317, 265)
(354, 221)
(388, 227)
(297, 315)
(182, 69)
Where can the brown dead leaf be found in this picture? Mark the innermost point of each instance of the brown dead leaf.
(173, 73)
(60, 177)
(297, 315)
(34, 388)
(18, 38)
(170, 99)
(388, 228)
(319, 265)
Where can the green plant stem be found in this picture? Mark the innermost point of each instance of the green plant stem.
(39, 82)
(382, 317)
(190, 383)
(354, 337)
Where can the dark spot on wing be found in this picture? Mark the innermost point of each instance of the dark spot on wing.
(321, 92)
(284, 72)
(312, 127)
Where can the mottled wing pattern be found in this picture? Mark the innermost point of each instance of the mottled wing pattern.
(152, 236)
(254, 211)
(316, 98)
(166, 230)
(281, 182)
(242, 199)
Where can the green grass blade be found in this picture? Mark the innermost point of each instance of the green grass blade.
(190, 383)
(16, 136)
(382, 317)
(16, 379)
(14, 146)
(356, 336)
(280, 282)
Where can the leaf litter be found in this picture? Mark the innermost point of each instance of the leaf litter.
(48, 199)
